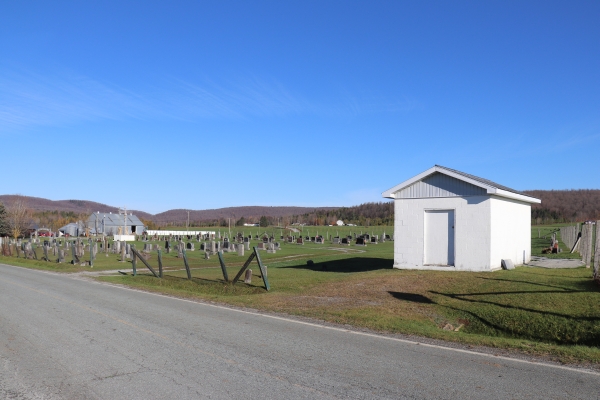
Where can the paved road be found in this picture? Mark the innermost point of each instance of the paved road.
(62, 337)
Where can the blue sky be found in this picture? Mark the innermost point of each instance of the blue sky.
(161, 105)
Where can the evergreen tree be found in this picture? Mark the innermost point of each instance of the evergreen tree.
(4, 229)
(264, 222)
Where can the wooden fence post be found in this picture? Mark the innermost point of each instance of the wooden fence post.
(91, 255)
(586, 245)
(133, 259)
(246, 264)
(223, 269)
(160, 266)
(136, 255)
(187, 266)
(263, 271)
(597, 253)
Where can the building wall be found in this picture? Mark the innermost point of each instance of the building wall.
(472, 235)
(511, 231)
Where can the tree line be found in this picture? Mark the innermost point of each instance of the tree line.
(558, 206)
(565, 206)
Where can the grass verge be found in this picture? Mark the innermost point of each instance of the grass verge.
(538, 311)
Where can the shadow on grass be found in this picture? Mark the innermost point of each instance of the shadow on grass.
(461, 297)
(573, 329)
(346, 265)
(582, 285)
(205, 281)
(412, 297)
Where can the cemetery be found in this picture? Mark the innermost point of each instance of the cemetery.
(345, 275)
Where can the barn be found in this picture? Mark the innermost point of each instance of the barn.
(114, 224)
(448, 220)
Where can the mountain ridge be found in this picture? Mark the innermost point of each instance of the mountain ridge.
(39, 204)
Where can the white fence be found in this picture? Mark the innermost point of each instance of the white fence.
(178, 233)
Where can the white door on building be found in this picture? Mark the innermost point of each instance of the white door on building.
(439, 237)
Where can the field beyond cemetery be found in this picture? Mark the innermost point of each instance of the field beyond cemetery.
(552, 312)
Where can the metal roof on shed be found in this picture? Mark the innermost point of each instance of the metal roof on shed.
(114, 219)
(440, 181)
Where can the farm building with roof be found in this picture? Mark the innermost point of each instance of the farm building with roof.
(113, 224)
(449, 220)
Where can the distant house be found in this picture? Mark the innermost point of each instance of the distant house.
(114, 224)
(72, 229)
(452, 221)
(340, 223)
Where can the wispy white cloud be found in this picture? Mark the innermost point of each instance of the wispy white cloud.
(30, 99)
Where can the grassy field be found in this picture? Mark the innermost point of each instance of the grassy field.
(539, 311)
(541, 236)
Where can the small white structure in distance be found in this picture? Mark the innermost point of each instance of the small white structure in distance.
(451, 221)
(340, 223)
(178, 233)
(124, 238)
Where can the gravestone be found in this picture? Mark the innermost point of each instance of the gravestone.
(190, 246)
(61, 256)
(300, 241)
(261, 246)
(373, 240)
(319, 239)
(346, 241)
(213, 247)
(277, 246)
(360, 241)
(271, 248)
(247, 245)
(336, 240)
(206, 255)
(240, 250)
(248, 276)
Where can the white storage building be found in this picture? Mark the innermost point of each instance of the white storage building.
(452, 221)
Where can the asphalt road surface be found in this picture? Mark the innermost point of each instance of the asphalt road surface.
(67, 338)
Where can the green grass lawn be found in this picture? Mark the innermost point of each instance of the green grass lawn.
(540, 311)
(541, 236)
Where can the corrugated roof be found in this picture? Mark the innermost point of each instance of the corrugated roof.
(114, 219)
(491, 187)
(484, 181)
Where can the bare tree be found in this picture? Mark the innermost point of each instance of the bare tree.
(18, 216)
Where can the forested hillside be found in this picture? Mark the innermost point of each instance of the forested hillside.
(565, 205)
(557, 206)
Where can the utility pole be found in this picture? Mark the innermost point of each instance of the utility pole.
(187, 227)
